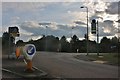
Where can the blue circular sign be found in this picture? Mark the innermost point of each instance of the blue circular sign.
(30, 50)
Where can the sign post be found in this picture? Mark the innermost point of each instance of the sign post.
(13, 32)
(29, 51)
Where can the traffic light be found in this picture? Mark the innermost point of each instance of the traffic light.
(93, 26)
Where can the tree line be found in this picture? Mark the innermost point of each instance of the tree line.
(56, 44)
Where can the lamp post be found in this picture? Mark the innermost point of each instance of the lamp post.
(87, 26)
(46, 38)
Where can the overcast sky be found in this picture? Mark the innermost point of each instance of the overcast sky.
(59, 17)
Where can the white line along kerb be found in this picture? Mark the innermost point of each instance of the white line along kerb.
(29, 51)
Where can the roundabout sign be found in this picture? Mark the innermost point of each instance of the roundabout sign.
(29, 51)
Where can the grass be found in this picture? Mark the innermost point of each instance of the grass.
(110, 58)
(107, 58)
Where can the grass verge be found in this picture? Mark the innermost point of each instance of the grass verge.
(107, 58)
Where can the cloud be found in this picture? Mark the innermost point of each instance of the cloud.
(77, 15)
(106, 16)
(52, 25)
(30, 24)
(1, 30)
(118, 21)
(58, 17)
(34, 29)
(79, 22)
(15, 20)
(43, 23)
(107, 28)
(112, 8)
(22, 6)
(97, 10)
(58, 0)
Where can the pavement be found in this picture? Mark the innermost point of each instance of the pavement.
(15, 68)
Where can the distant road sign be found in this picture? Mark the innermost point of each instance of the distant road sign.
(14, 31)
(29, 51)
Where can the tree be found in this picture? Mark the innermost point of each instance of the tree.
(5, 39)
(74, 43)
(105, 45)
(63, 44)
(7, 42)
(40, 43)
(52, 43)
(114, 44)
(93, 46)
(46, 43)
(20, 43)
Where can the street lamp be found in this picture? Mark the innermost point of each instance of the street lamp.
(46, 37)
(87, 26)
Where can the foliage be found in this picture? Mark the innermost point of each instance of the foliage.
(54, 44)
(7, 42)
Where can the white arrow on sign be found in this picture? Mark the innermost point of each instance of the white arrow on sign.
(30, 50)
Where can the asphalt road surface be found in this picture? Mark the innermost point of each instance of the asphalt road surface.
(64, 65)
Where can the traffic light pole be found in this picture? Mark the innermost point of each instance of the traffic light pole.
(97, 39)
(13, 32)
(87, 31)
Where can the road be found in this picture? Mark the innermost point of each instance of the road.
(64, 65)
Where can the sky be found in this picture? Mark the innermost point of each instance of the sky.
(35, 19)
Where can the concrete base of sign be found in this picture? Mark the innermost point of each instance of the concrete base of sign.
(17, 68)
(36, 73)
(25, 74)
(29, 70)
